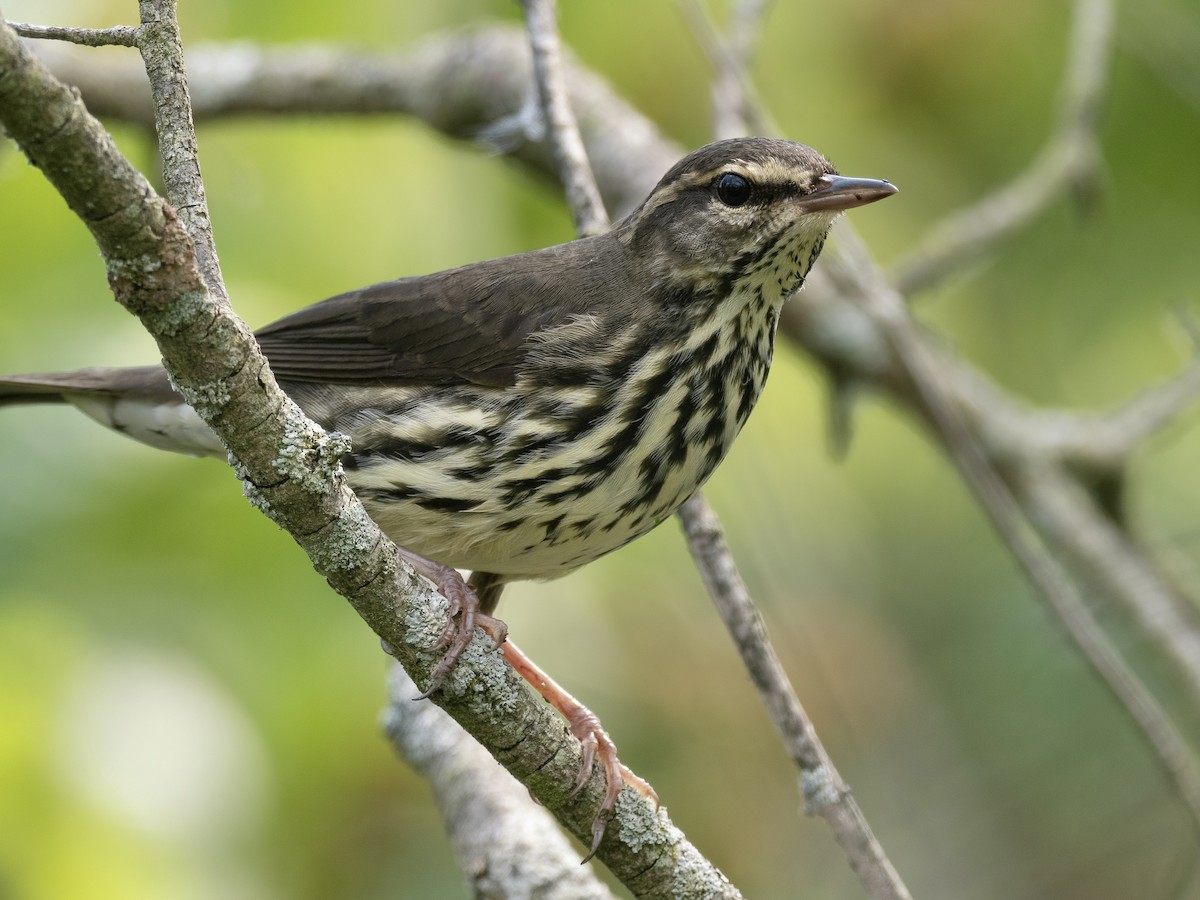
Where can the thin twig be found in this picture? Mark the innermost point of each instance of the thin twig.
(1150, 412)
(162, 54)
(1067, 161)
(737, 107)
(1103, 444)
(563, 135)
(825, 793)
(561, 129)
(117, 36)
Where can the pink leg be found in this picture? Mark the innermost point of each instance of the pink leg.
(465, 614)
(596, 743)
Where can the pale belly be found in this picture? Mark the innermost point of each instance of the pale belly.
(537, 539)
(521, 501)
(533, 483)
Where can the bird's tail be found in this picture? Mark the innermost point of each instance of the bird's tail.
(137, 402)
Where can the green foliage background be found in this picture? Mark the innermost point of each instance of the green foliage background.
(187, 711)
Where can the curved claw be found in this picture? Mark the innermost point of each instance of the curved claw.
(465, 614)
(597, 744)
(598, 825)
(594, 740)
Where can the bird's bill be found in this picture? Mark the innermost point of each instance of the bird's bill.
(838, 193)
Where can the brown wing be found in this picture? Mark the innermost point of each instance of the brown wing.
(471, 324)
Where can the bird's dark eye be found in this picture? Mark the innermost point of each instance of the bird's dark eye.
(732, 190)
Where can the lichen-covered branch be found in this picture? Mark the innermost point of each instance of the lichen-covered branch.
(162, 55)
(289, 467)
(118, 36)
(466, 81)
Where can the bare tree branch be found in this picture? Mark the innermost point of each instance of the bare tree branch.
(470, 84)
(1096, 445)
(1041, 567)
(570, 157)
(117, 36)
(1116, 435)
(290, 471)
(1067, 161)
(162, 54)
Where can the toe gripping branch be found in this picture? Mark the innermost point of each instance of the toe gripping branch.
(466, 612)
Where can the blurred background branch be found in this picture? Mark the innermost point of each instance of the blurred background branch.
(504, 843)
(1068, 162)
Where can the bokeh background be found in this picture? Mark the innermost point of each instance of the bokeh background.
(187, 711)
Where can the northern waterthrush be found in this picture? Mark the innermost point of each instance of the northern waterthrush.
(521, 417)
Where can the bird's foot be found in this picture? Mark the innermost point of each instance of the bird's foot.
(597, 745)
(465, 614)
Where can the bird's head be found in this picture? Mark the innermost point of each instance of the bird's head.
(758, 207)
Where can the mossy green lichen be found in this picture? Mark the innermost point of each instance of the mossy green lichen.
(641, 824)
(206, 399)
(348, 540)
(182, 311)
(310, 458)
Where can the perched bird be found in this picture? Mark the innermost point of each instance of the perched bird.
(521, 417)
